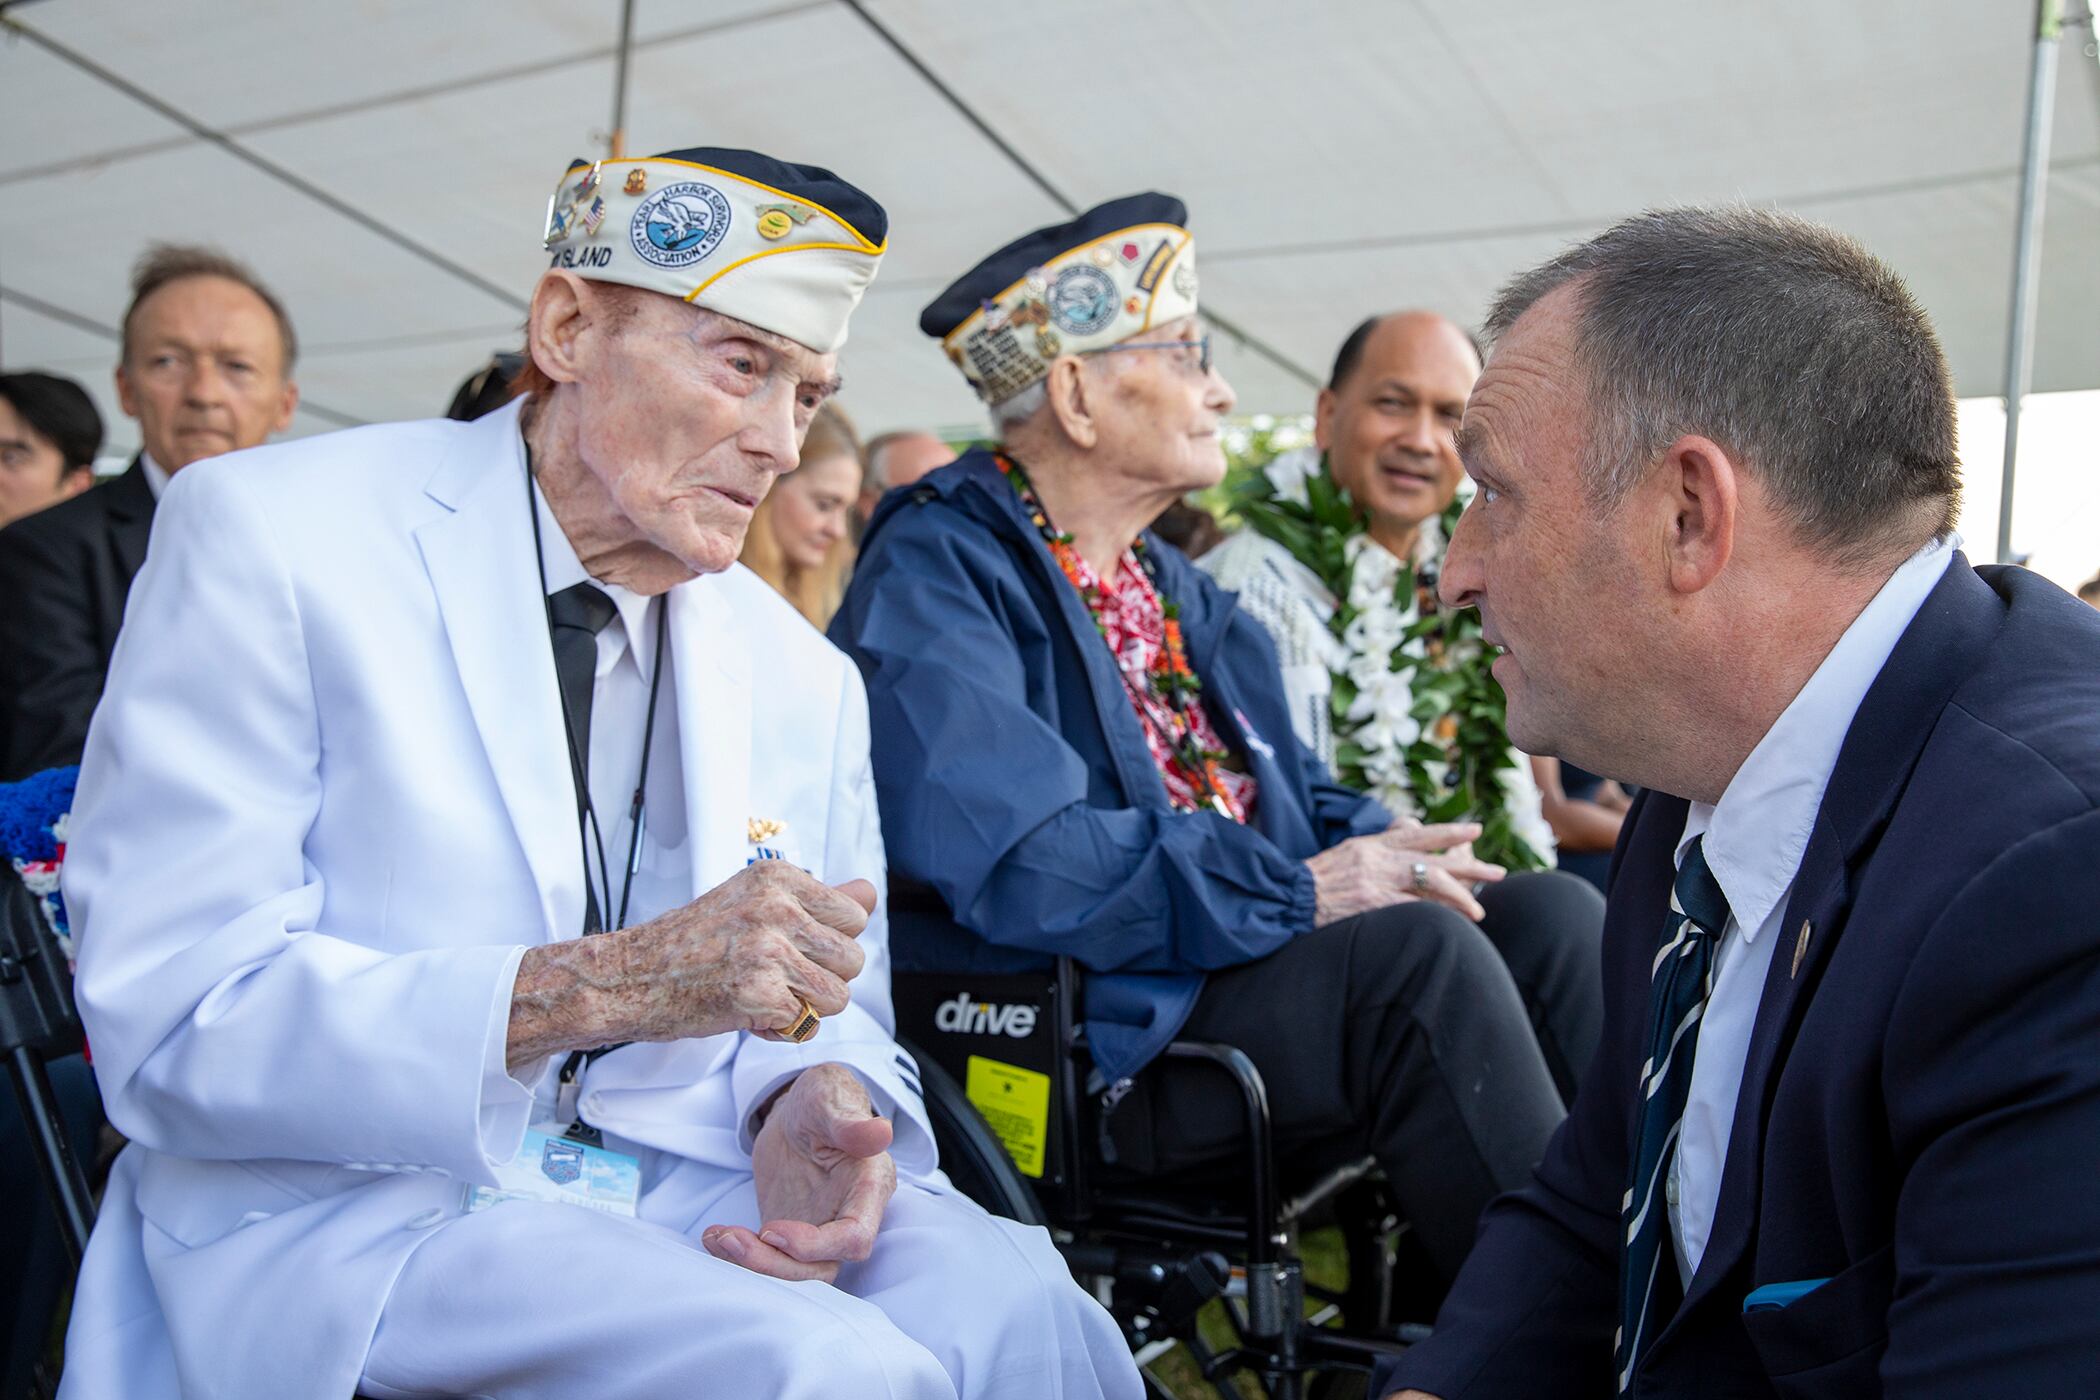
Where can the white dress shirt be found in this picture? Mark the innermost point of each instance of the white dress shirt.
(156, 474)
(1755, 837)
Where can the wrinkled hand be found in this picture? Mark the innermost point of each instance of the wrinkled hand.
(822, 1166)
(1370, 872)
(744, 955)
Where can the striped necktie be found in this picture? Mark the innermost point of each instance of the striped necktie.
(1683, 977)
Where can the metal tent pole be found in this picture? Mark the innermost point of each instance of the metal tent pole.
(2027, 252)
(618, 145)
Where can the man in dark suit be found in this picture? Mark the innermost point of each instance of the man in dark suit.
(205, 369)
(50, 434)
(1841, 1137)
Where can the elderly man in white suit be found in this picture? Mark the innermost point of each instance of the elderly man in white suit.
(402, 719)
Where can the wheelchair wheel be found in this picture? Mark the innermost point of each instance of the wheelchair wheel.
(971, 1153)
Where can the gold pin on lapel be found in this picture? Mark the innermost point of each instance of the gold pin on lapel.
(1800, 949)
(757, 829)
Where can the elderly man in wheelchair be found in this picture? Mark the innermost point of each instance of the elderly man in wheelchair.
(1090, 788)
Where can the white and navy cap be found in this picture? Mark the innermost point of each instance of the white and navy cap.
(1118, 269)
(786, 248)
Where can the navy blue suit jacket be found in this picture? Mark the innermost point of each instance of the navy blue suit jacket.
(1919, 1121)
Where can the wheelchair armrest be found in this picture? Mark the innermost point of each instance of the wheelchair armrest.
(1264, 1236)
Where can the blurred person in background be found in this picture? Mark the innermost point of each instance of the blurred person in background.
(2089, 591)
(205, 368)
(1389, 687)
(1189, 528)
(488, 388)
(49, 435)
(897, 459)
(1585, 813)
(799, 536)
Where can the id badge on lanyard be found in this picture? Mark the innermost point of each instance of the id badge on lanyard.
(554, 1167)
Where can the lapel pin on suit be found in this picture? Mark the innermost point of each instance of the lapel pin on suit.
(1800, 949)
(760, 830)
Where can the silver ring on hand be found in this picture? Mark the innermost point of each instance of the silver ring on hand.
(1421, 873)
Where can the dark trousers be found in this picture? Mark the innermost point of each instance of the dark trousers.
(33, 1266)
(1442, 1047)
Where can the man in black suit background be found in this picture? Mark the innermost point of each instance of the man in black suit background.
(205, 368)
(49, 436)
(1839, 1141)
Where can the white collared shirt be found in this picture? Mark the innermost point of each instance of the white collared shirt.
(1755, 838)
(156, 474)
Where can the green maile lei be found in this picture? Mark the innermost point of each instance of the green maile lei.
(1419, 721)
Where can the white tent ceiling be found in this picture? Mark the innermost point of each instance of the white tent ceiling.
(385, 164)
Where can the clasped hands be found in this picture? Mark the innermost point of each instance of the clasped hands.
(1370, 872)
(742, 957)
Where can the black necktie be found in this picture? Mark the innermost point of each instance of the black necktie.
(580, 613)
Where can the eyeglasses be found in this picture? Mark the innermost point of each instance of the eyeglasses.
(1201, 345)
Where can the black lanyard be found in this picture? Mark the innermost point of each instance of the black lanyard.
(590, 834)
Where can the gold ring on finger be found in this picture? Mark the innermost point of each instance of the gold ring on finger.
(804, 1025)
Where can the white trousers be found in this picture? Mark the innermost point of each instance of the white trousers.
(528, 1300)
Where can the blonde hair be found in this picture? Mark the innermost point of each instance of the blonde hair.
(816, 593)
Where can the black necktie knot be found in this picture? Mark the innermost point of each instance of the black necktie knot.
(583, 605)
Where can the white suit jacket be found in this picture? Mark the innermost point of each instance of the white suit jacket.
(325, 807)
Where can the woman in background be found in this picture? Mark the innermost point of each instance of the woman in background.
(798, 540)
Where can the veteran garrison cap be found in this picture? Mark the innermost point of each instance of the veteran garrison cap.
(1118, 269)
(787, 248)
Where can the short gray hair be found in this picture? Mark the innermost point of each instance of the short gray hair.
(1784, 341)
(1015, 409)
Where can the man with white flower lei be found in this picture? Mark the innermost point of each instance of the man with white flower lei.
(1380, 691)
(1399, 702)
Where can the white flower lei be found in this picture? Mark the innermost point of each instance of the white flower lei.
(1385, 652)
(1380, 720)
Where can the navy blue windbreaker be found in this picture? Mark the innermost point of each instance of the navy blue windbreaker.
(1022, 812)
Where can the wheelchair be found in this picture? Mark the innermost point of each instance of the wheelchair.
(1005, 1071)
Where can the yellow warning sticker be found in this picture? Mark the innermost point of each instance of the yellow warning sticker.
(1016, 1102)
